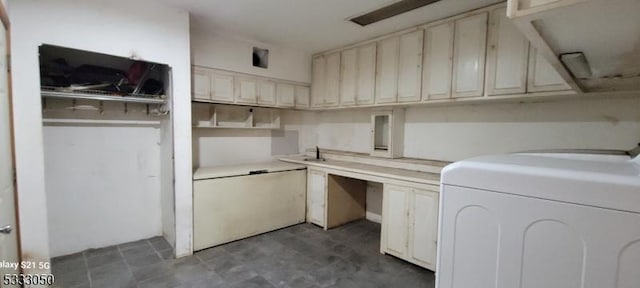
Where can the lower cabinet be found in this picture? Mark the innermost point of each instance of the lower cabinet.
(410, 224)
(316, 196)
(231, 208)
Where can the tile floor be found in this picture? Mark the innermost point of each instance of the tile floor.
(298, 256)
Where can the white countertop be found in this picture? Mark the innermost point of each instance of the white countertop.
(243, 169)
(375, 170)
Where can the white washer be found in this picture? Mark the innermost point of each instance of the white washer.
(540, 221)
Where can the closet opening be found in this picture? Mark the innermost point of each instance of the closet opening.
(108, 154)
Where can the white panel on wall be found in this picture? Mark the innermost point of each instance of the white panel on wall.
(234, 54)
(344, 130)
(216, 147)
(457, 132)
(110, 180)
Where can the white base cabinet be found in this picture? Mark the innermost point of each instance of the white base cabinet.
(231, 208)
(316, 196)
(410, 224)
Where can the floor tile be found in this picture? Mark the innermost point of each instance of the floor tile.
(254, 282)
(109, 271)
(100, 251)
(299, 256)
(135, 244)
(113, 257)
(159, 243)
(144, 260)
(72, 279)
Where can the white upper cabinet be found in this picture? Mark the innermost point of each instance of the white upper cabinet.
(285, 94)
(438, 62)
(542, 76)
(302, 97)
(366, 74)
(318, 82)
(332, 90)
(348, 77)
(469, 56)
(507, 56)
(410, 66)
(218, 86)
(246, 90)
(222, 88)
(387, 67)
(201, 84)
(266, 92)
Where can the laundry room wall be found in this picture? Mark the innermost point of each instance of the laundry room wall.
(120, 28)
(234, 53)
(102, 185)
(215, 147)
(456, 132)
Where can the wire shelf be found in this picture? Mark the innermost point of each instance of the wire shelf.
(98, 95)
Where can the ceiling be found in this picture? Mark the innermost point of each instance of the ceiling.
(309, 25)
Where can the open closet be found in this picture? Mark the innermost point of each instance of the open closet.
(108, 149)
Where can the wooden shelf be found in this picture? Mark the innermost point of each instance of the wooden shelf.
(211, 116)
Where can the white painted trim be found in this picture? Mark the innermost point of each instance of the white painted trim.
(373, 217)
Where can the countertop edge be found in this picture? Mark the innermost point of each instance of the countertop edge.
(355, 170)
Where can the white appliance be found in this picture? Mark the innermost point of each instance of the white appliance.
(540, 221)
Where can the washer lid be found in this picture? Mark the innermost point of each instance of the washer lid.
(600, 181)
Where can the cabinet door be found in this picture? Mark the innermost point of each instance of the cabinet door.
(395, 219)
(387, 66)
(423, 227)
(349, 59)
(333, 80)
(410, 66)
(222, 88)
(246, 90)
(438, 62)
(285, 94)
(302, 97)
(507, 56)
(469, 56)
(318, 82)
(201, 84)
(366, 74)
(316, 195)
(266, 92)
(542, 76)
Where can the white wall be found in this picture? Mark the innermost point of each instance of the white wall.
(234, 54)
(102, 185)
(453, 133)
(217, 147)
(229, 147)
(374, 202)
(120, 28)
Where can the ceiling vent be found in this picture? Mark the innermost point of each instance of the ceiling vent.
(391, 10)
